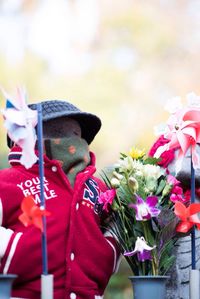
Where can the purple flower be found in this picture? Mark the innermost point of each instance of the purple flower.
(144, 256)
(141, 249)
(145, 209)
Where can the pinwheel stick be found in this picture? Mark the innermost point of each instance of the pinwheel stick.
(47, 280)
(42, 203)
(194, 273)
(193, 248)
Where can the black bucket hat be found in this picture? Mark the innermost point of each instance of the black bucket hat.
(51, 109)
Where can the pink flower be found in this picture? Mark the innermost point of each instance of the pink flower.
(107, 198)
(166, 157)
(177, 194)
(177, 191)
(172, 180)
(145, 209)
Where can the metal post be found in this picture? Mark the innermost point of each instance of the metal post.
(46, 279)
(194, 274)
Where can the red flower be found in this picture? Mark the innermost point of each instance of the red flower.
(187, 195)
(197, 192)
(32, 214)
(167, 157)
(187, 215)
(107, 198)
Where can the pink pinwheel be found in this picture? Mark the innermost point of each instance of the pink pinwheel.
(142, 250)
(20, 122)
(107, 198)
(145, 209)
(183, 131)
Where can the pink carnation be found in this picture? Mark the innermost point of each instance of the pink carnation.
(172, 180)
(177, 194)
(107, 198)
(166, 157)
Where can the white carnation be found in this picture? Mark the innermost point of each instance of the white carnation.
(154, 171)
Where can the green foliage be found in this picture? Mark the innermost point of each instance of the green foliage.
(133, 179)
(151, 160)
(129, 101)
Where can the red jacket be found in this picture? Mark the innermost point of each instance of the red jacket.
(80, 257)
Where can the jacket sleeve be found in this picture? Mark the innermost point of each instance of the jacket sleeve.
(110, 237)
(5, 236)
(19, 251)
(116, 251)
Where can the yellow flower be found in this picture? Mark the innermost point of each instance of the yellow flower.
(136, 153)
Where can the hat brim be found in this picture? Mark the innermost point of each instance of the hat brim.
(90, 123)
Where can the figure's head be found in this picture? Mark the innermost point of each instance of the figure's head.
(62, 119)
(61, 127)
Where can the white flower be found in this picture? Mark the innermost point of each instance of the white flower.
(161, 129)
(154, 171)
(125, 164)
(142, 248)
(137, 166)
(173, 105)
(138, 173)
(193, 100)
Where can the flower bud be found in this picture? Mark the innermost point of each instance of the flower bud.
(115, 182)
(167, 189)
(133, 184)
(117, 175)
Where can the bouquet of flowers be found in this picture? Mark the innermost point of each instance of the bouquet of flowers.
(148, 209)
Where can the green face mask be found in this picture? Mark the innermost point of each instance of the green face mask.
(71, 152)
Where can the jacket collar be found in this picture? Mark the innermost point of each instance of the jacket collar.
(15, 154)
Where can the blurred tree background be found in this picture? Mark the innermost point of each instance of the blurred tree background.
(121, 60)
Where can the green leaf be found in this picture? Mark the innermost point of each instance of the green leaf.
(106, 175)
(166, 257)
(122, 156)
(161, 186)
(151, 160)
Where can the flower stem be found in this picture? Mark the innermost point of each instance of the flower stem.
(147, 236)
(122, 219)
